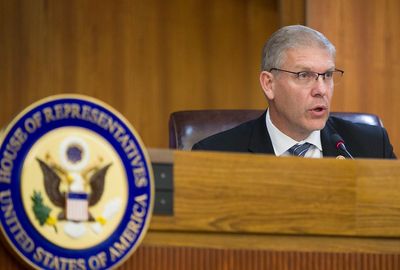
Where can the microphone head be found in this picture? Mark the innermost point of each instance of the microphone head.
(338, 140)
(339, 143)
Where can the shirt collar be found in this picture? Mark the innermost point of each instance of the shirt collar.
(281, 142)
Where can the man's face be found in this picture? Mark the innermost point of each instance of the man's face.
(297, 109)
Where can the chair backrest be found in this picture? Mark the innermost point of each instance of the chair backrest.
(188, 127)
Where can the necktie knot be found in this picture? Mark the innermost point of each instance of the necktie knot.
(299, 149)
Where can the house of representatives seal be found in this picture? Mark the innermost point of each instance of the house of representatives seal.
(76, 185)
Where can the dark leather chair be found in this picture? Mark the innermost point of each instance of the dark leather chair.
(188, 127)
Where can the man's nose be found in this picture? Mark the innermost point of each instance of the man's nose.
(321, 86)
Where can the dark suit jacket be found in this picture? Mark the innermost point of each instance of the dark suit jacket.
(362, 141)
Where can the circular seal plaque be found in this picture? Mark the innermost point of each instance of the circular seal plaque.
(76, 185)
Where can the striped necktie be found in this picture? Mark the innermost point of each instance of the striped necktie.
(299, 149)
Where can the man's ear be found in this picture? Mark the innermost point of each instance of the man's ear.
(266, 81)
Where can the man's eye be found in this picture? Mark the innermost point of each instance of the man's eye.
(305, 75)
(328, 74)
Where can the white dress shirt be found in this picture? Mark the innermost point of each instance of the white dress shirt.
(281, 142)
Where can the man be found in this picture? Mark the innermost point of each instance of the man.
(297, 77)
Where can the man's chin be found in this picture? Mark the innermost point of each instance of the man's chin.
(317, 124)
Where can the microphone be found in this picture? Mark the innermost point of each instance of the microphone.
(339, 143)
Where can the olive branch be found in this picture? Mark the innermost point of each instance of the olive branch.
(41, 211)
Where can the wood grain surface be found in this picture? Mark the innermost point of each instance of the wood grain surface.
(244, 193)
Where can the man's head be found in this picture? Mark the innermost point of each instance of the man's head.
(297, 68)
(292, 36)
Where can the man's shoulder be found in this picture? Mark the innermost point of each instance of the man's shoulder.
(235, 139)
(346, 125)
(363, 140)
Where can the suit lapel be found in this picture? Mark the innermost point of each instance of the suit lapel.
(259, 141)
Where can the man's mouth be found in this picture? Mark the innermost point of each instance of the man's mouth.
(319, 108)
(319, 111)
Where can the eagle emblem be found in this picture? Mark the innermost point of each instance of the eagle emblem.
(73, 187)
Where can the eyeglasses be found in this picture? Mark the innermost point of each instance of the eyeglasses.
(308, 77)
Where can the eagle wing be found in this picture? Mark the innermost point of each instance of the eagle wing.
(97, 184)
(52, 184)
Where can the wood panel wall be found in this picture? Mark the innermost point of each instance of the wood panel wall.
(149, 58)
(367, 39)
(144, 58)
